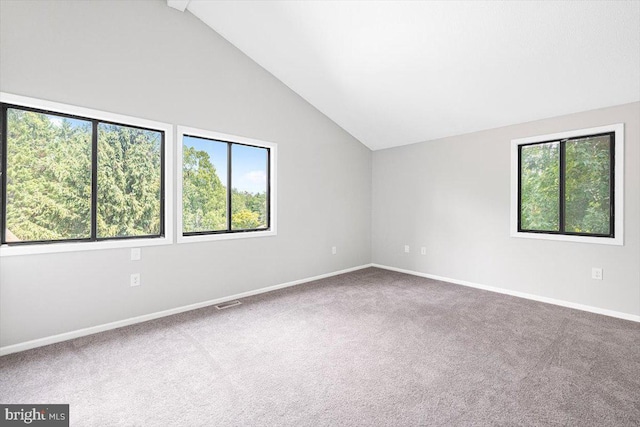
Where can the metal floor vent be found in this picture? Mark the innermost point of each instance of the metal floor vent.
(228, 304)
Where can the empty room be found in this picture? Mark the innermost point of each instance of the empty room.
(319, 213)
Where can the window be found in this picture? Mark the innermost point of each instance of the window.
(568, 186)
(227, 186)
(79, 178)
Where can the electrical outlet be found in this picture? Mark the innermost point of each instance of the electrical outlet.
(334, 250)
(406, 249)
(423, 251)
(596, 273)
(135, 254)
(135, 279)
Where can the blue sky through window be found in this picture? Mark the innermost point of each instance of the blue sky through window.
(249, 163)
(249, 168)
(216, 150)
(75, 123)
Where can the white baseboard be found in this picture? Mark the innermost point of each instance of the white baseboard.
(15, 348)
(27, 345)
(533, 297)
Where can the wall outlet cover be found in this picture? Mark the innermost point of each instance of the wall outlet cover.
(135, 279)
(596, 273)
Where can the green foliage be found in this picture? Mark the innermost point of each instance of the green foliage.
(587, 186)
(49, 185)
(245, 220)
(249, 210)
(540, 188)
(128, 181)
(587, 197)
(204, 198)
(49, 179)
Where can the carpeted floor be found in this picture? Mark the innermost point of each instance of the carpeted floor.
(372, 347)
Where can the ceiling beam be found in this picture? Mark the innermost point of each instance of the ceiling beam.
(180, 5)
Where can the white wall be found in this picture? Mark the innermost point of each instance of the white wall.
(452, 196)
(144, 59)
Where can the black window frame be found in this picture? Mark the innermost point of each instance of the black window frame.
(562, 184)
(5, 106)
(229, 229)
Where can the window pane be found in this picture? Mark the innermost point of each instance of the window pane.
(588, 185)
(48, 177)
(129, 181)
(204, 185)
(249, 195)
(539, 187)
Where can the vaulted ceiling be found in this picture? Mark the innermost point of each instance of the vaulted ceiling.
(393, 72)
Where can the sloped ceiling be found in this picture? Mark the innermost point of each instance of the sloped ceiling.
(395, 73)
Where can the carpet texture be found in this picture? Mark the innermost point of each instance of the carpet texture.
(372, 347)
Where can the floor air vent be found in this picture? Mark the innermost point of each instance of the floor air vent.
(228, 304)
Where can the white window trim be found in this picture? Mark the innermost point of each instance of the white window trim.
(273, 162)
(36, 248)
(618, 128)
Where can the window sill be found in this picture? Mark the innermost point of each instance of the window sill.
(51, 248)
(225, 236)
(617, 241)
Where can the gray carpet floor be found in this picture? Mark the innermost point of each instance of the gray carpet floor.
(368, 348)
